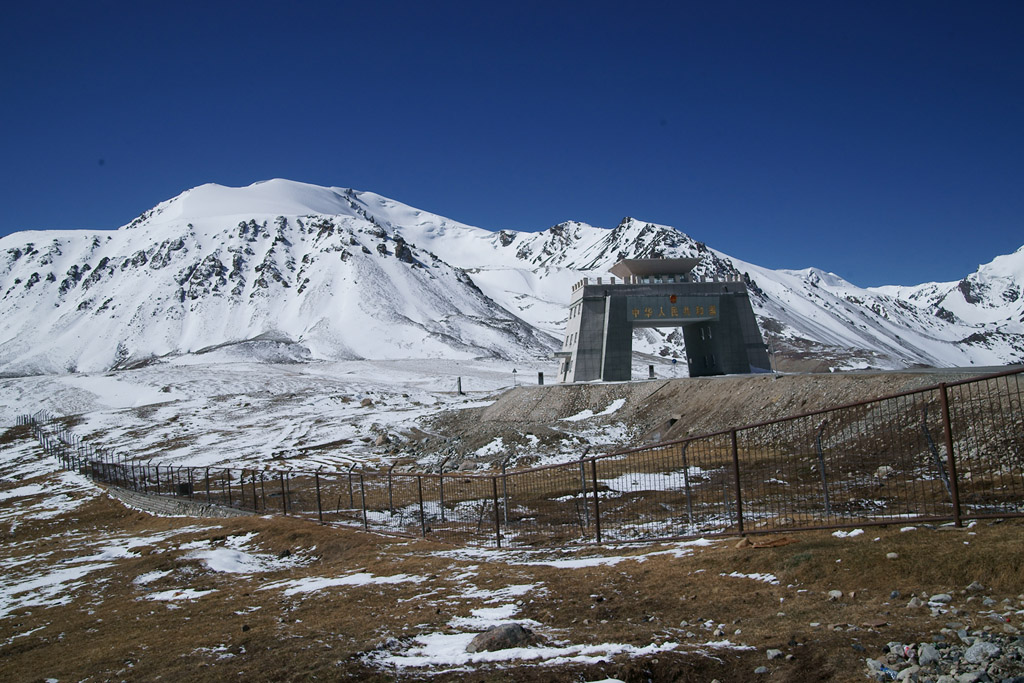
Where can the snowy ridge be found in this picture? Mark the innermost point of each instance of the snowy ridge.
(286, 271)
(992, 295)
(193, 275)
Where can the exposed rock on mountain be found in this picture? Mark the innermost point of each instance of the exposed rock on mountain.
(286, 271)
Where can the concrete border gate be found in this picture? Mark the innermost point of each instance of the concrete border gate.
(717, 321)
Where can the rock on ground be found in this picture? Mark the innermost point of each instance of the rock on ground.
(501, 638)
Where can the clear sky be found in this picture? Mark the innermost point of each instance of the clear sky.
(883, 141)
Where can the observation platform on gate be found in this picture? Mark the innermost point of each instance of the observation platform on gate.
(636, 272)
(714, 313)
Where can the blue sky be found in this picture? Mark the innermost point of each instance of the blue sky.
(882, 141)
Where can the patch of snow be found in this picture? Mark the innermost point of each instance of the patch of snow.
(47, 588)
(440, 650)
(317, 583)
(587, 414)
(22, 492)
(177, 595)
(57, 584)
(150, 577)
(847, 534)
(654, 481)
(727, 645)
(767, 578)
(488, 617)
(496, 595)
(578, 563)
(493, 448)
(233, 561)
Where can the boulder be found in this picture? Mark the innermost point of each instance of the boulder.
(981, 651)
(927, 654)
(402, 251)
(502, 638)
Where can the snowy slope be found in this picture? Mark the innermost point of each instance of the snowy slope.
(289, 271)
(992, 295)
(808, 314)
(199, 272)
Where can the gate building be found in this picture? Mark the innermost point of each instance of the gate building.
(719, 330)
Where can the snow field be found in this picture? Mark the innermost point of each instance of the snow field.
(247, 415)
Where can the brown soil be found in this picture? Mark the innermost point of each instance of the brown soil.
(529, 419)
(249, 630)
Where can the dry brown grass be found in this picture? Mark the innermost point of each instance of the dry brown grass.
(108, 630)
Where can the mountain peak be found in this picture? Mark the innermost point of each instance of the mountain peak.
(276, 197)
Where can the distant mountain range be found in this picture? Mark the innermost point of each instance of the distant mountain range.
(282, 271)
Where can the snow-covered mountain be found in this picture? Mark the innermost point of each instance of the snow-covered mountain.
(282, 270)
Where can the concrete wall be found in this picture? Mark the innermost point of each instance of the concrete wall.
(586, 360)
(618, 350)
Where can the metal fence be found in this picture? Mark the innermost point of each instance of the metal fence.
(945, 453)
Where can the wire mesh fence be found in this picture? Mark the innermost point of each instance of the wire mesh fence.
(944, 453)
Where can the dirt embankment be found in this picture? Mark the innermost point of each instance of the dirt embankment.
(535, 417)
